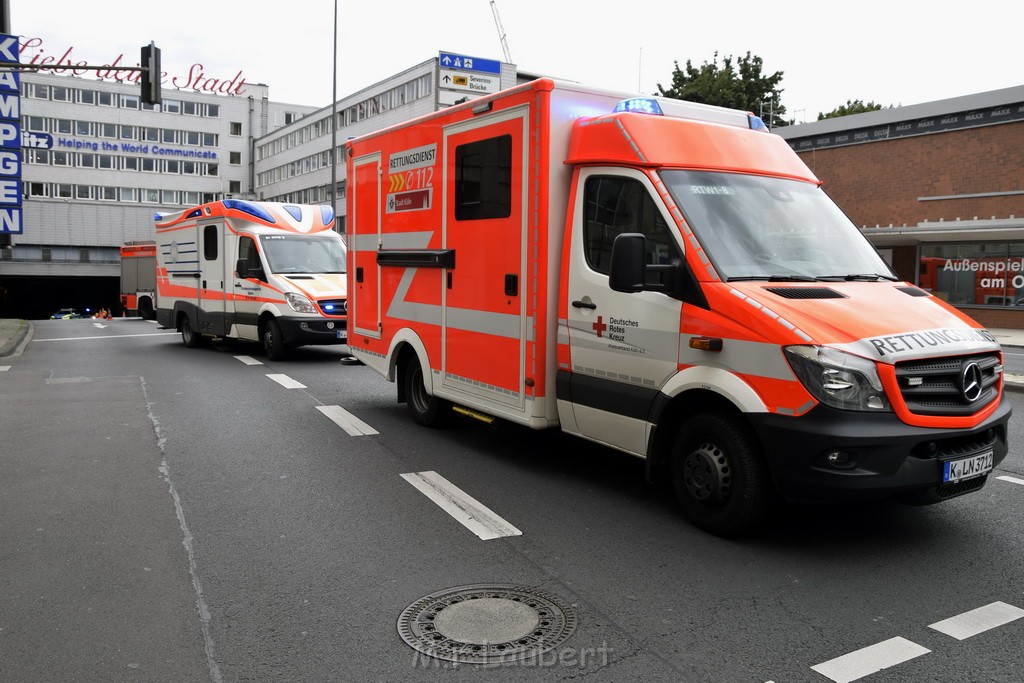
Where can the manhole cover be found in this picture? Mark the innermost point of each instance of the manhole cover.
(484, 623)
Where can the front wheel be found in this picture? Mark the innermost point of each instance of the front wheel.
(719, 475)
(273, 340)
(427, 410)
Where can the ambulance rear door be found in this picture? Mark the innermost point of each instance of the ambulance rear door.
(212, 263)
(484, 327)
(364, 228)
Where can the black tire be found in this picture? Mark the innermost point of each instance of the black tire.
(273, 340)
(427, 410)
(146, 311)
(719, 475)
(189, 337)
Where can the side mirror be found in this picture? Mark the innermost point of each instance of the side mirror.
(629, 265)
(242, 268)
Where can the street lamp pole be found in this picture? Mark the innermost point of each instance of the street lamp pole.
(770, 97)
(334, 122)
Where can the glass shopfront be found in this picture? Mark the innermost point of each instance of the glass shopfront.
(974, 274)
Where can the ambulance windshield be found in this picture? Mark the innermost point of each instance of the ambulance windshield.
(322, 252)
(754, 227)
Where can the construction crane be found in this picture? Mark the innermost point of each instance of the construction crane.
(501, 32)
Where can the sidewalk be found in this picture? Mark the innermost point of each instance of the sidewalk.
(14, 334)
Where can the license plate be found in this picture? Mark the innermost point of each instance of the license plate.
(340, 334)
(967, 468)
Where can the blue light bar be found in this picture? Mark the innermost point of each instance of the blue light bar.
(249, 208)
(756, 123)
(326, 214)
(640, 105)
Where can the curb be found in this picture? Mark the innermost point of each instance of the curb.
(17, 342)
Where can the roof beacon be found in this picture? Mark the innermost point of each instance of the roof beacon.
(640, 105)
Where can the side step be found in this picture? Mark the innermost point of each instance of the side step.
(486, 419)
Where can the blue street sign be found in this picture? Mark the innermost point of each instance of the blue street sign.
(450, 60)
(10, 138)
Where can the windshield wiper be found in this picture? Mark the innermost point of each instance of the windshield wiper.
(773, 278)
(871, 277)
(860, 277)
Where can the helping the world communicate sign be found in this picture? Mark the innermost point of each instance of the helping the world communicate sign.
(10, 137)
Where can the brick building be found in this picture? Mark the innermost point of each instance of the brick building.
(938, 188)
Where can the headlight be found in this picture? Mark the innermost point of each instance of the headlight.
(838, 379)
(299, 303)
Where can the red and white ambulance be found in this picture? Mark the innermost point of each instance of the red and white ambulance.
(258, 271)
(668, 279)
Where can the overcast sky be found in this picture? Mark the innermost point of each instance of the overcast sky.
(894, 52)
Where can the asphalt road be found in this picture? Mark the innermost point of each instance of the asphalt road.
(176, 514)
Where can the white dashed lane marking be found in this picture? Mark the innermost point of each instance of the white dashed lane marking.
(249, 360)
(287, 382)
(1012, 480)
(347, 421)
(470, 513)
(869, 660)
(979, 620)
(4, 368)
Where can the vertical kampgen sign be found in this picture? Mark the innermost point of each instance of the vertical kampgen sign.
(10, 137)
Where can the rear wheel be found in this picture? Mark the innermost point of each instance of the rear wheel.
(719, 475)
(427, 410)
(189, 337)
(146, 311)
(273, 340)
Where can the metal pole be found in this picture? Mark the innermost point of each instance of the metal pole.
(334, 123)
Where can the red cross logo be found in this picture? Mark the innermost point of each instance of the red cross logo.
(599, 326)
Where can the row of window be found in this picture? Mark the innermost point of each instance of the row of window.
(422, 86)
(124, 195)
(113, 162)
(61, 254)
(313, 162)
(115, 131)
(310, 195)
(61, 93)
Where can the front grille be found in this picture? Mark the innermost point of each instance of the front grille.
(960, 487)
(966, 446)
(333, 306)
(936, 386)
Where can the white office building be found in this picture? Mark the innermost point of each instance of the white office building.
(113, 161)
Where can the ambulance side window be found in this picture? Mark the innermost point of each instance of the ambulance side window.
(613, 205)
(247, 250)
(483, 179)
(210, 242)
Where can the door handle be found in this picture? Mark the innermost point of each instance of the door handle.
(584, 304)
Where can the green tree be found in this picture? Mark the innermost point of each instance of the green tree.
(738, 86)
(851, 107)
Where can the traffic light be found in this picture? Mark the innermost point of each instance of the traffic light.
(150, 81)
